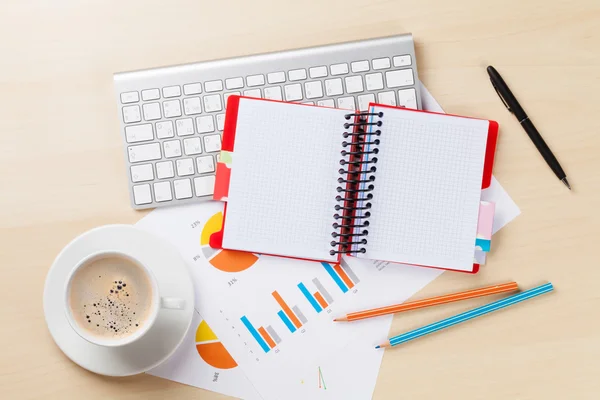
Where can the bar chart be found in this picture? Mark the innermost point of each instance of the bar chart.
(343, 276)
(267, 338)
(320, 299)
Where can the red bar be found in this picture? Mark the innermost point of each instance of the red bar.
(320, 299)
(343, 275)
(287, 310)
(266, 336)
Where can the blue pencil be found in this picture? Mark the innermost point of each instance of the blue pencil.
(474, 313)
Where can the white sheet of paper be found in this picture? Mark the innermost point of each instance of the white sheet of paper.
(349, 372)
(427, 190)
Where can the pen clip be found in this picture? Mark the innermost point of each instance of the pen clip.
(502, 98)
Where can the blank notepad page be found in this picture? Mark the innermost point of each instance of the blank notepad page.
(283, 179)
(427, 189)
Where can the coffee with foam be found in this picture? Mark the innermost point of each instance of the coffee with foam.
(111, 297)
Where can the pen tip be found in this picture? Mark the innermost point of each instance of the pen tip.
(566, 182)
(377, 347)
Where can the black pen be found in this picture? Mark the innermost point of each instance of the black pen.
(515, 108)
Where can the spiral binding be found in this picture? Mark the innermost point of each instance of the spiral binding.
(356, 182)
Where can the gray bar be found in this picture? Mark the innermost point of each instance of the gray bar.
(322, 290)
(273, 334)
(349, 272)
(299, 314)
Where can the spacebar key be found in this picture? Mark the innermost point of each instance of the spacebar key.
(144, 152)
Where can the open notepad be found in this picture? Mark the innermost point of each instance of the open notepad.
(391, 184)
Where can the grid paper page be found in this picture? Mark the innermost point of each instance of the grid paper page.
(283, 179)
(427, 189)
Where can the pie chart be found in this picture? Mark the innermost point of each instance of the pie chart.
(224, 260)
(211, 350)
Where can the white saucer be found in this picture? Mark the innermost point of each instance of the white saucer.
(171, 325)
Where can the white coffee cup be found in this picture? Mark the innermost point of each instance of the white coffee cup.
(157, 302)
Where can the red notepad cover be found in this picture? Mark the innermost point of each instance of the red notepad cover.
(224, 169)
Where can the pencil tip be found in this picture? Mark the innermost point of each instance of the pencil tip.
(566, 182)
(340, 319)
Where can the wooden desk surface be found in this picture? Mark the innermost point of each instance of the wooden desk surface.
(62, 172)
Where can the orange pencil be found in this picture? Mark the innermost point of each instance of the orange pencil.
(432, 301)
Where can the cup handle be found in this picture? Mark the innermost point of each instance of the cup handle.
(172, 303)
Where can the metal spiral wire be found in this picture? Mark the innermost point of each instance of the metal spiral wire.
(357, 181)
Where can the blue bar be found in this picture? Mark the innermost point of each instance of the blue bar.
(335, 277)
(311, 299)
(474, 313)
(256, 335)
(286, 321)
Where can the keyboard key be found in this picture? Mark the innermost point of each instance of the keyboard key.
(162, 191)
(212, 143)
(130, 97)
(141, 194)
(185, 166)
(297, 74)
(183, 189)
(220, 121)
(339, 69)
(234, 83)
(293, 92)
(138, 133)
(333, 87)
(273, 93)
(309, 103)
(402, 61)
(185, 127)
(205, 124)
(346, 103)
(141, 173)
(172, 108)
(318, 72)
(192, 146)
(213, 86)
(381, 63)
(226, 97)
(150, 94)
(388, 98)
(313, 89)
(360, 66)
(213, 103)
(276, 77)
(144, 152)
(151, 111)
(354, 84)
(402, 77)
(164, 129)
(205, 164)
(407, 98)
(172, 148)
(171, 91)
(204, 185)
(191, 106)
(164, 170)
(374, 81)
(326, 103)
(364, 100)
(131, 114)
(192, 88)
(253, 93)
(255, 80)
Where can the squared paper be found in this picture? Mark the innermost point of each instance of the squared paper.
(427, 190)
(283, 179)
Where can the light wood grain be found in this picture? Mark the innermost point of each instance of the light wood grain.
(62, 172)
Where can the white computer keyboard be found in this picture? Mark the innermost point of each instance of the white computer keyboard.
(172, 117)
